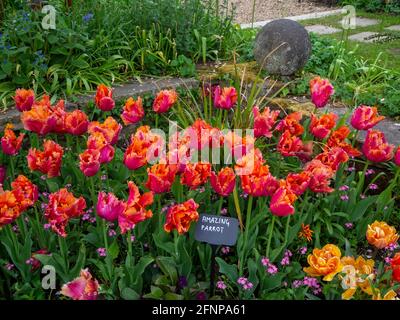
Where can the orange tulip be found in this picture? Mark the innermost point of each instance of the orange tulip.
(133, 111)
(324, 262)
(89, 162)
(10, 144)
(292, 124)
(320, 176)
(98, 142)
(103, 98)
(161, 176)
(164, 100)
(333, 157)
(376, 148)
(298, 182)
(338, 139)
(196, 174)
(110, 129)
(9, 208)
(61, 208)
(47, 161)
(380, 234)
(260, 183)
(224, 182)
(40, 119)
(76, 122)
(24, 99)
(135, 210)
(180, 216)
(25, 192)
(320, 128)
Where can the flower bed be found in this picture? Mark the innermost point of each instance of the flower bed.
(111, 217)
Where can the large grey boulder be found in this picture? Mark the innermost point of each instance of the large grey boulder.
(282, 47)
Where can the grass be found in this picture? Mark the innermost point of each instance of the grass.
(369, 51)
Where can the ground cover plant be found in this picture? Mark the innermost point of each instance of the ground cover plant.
(113, 213)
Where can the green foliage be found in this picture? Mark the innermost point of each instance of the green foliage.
(391, 6)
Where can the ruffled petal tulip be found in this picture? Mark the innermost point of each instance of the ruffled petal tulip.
(320, 128)
(98, 141)
(47, 161)
(324, 262)
(40, 119)
(135, 210)
(76, 122)
(282, 202)
(110, 129)
(224, 182)
(82, 288)
(380, 234)
(24, 99)
(161, 177)
(338, 139)
(89, 162)
(180, 216)
(9, 208)
(133, 111)
(195, 175)
(333, 157)
(109, 207)
(365, 118)
(321, 91)
(225, 98)
(103, 98)
(376, 148)
(260, 183)
(298, 182)
(25, 192)
(264, 122)
(164, 100)
(61, 208)
(320, 176)
(10, 144)
(292, 124)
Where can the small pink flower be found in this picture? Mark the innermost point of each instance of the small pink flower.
(344, 188)
(344, 197)
(221, 285)
(102, 252)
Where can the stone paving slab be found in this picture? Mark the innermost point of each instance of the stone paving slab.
(363, 37)
(307, 16)
(365, 22)
(121, 92)
(321, 29)
(394, 28)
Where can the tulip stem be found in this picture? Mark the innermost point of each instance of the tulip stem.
(104, 227)
(129, 241)
(237, 207)
(156, 121)
(12, 168)
(287, 230)
(246, 232)
(159, 212)
(220, 203)
(270, 236)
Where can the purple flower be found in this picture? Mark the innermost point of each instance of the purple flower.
(348, 225)
(248, 285)
(224, 211)
(373, 186)
(102, 252)
(47, 226)
(369, 172)
(351, 169)
(344, 188)
(182, 282)
(112, 233)
(225, 250)
(344, 197)
(10, 266)
(221, 285)
(297, 283)
(242, 280)
(303, 250)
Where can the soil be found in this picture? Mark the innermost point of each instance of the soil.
(270, 9)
